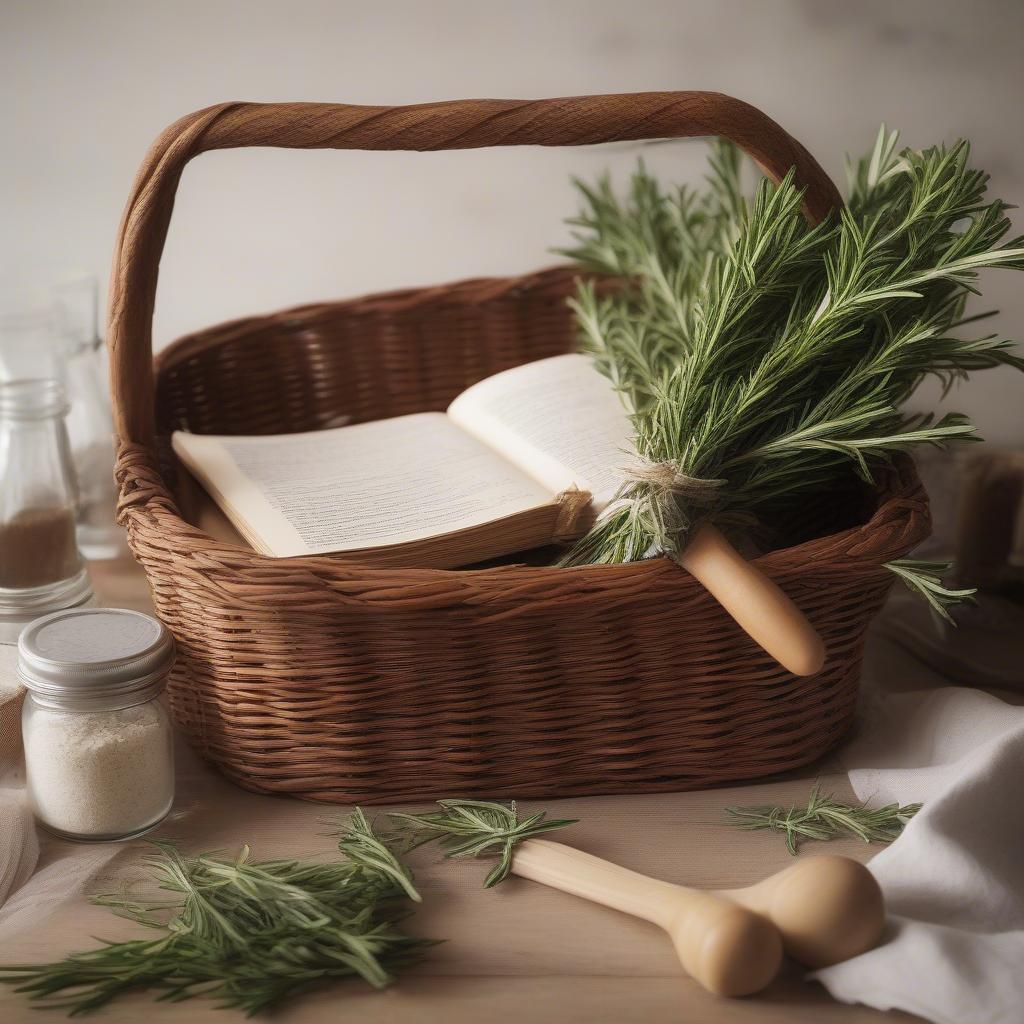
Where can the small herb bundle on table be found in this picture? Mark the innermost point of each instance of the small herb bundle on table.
(762, 357)
(251, 935)
(246, 934)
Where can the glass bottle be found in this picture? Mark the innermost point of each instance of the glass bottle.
(48, 328)
(41, 569)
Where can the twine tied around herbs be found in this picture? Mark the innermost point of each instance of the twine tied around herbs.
(664, 478)
(667, 484)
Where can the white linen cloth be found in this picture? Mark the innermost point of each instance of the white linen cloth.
(19, 846)
(954, 881)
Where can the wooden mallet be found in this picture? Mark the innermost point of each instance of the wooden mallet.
(821, 910)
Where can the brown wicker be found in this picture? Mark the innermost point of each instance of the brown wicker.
(338, 682)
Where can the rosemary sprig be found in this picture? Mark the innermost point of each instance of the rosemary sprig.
(771, 356)
(247, 934)
(925, 578)
(825, 818)
(468, 828)
(362, 846)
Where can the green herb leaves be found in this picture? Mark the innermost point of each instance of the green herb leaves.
(468, 828)
(360, 844)
(925, 579)
(758, 350)
(247, 934)
(825, 818)
(252, 934)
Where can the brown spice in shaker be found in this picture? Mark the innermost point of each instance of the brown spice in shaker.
(37, 547)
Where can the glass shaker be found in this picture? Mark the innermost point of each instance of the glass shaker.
(48, 329)
(40, 566)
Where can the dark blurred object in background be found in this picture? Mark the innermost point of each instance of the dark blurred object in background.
(977, 498)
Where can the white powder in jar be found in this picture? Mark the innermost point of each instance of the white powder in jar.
(99, 773)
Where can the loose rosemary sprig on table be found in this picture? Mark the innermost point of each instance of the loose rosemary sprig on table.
(761, 357)
(826, 818)
(246, 934)
(468, 828)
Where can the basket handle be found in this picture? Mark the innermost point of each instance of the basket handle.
(458, 124)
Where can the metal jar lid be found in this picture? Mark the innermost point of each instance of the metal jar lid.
(91, 659)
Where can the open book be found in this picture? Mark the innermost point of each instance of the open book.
(524, 458)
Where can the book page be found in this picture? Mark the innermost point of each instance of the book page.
(557, 419)
(373, 484)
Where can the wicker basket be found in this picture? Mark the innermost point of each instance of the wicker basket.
(338, 682)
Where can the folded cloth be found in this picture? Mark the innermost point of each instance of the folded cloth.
(954, 881)
(69, 874)
(19, 847)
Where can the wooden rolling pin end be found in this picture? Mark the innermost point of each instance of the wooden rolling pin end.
(828, 909)
(726, 948)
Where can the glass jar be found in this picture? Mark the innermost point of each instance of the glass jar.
(99, 755)
(38, 492)
(48, 329)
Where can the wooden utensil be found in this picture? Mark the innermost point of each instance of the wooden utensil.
(763, 611)
(827, 908)
(820, 910)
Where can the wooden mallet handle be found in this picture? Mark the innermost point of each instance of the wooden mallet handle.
(729, 949)
(764, 612)
(821, 910)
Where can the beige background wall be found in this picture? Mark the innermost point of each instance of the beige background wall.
(86, 84)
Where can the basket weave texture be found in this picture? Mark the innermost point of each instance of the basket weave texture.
(338, 682)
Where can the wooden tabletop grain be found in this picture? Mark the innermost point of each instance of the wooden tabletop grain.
(518, 952)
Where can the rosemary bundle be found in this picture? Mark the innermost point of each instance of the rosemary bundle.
(247, 934)
(762, 357)
(826, 818)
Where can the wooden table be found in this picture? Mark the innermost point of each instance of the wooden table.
(518, 952)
